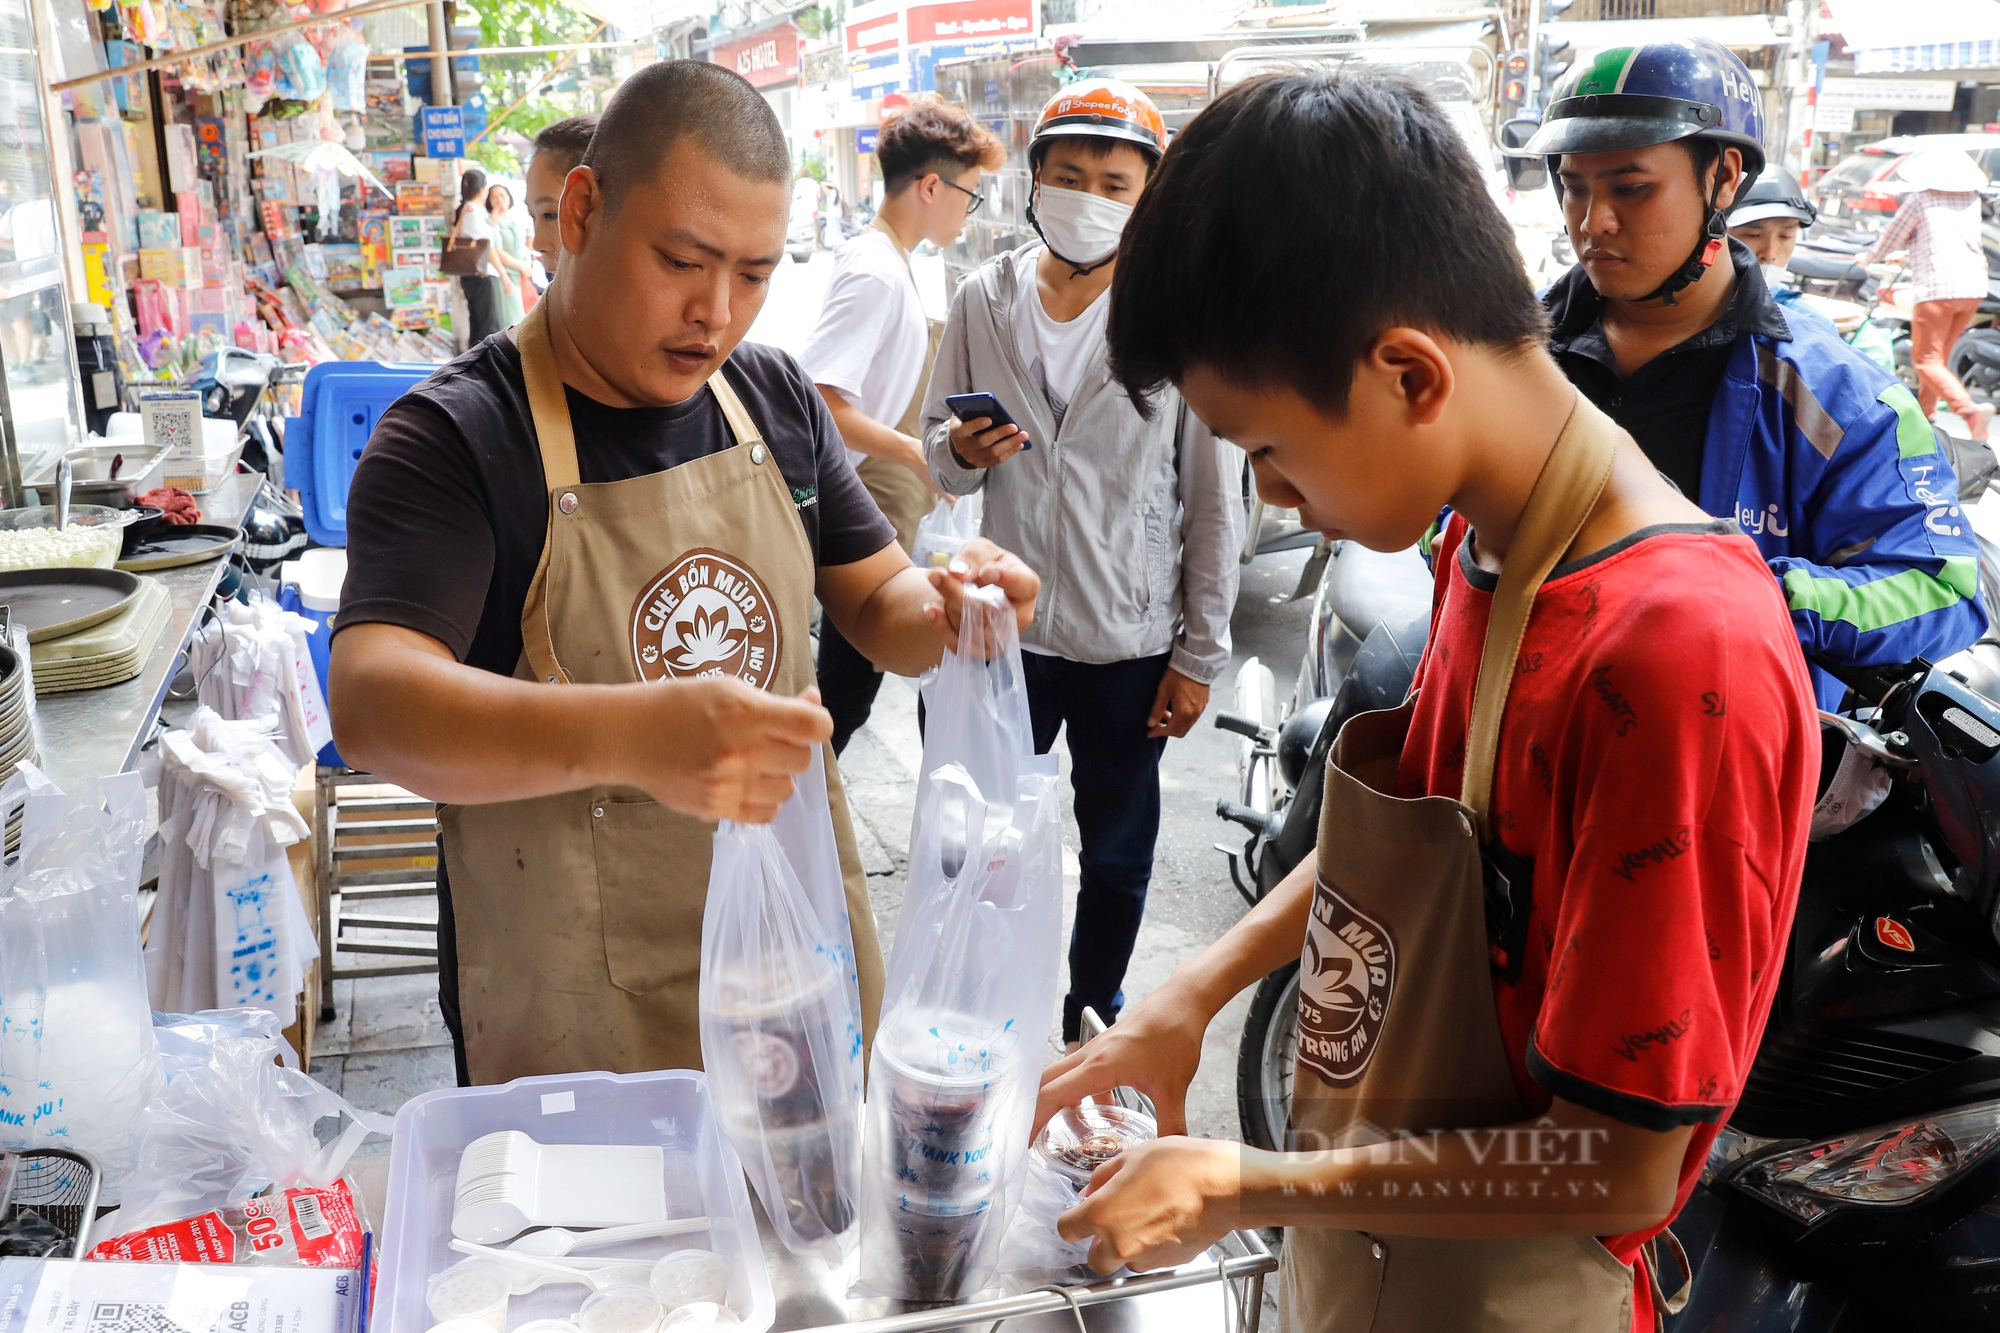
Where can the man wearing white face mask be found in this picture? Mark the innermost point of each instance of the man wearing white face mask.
(1132, 517)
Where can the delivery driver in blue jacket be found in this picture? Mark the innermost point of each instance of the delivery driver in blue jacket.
(1824, 460)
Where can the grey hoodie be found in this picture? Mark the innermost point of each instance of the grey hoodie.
(1134, 525)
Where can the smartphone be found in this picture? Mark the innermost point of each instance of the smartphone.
(972, 406)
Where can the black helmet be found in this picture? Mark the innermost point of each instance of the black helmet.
(1654, 93)
(1774, 194)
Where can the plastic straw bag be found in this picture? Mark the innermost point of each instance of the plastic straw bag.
(77, 1054)
(233, 1121)
(972, 984)
(781, 1019)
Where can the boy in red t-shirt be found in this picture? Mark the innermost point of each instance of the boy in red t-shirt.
(1381, 357)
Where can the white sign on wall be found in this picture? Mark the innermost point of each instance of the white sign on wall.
(1887, 94)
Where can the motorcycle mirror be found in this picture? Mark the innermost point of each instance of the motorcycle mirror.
(1524, 171)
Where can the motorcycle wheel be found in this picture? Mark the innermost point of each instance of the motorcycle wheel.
(1265, 1059)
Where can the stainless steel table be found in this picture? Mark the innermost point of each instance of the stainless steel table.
(1223, 1293)
(93, 733)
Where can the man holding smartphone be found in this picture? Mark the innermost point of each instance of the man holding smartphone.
(1134, 517)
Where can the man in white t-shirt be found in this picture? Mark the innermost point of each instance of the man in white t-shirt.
(871, 350)
(1132, 516)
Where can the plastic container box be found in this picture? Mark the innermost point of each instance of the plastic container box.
(670, 1108)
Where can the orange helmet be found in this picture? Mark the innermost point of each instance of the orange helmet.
(1104, 109)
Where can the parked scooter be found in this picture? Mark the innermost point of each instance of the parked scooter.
(1370, 617)
(1854, 1187)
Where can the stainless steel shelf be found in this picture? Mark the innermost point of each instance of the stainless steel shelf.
(94, 733)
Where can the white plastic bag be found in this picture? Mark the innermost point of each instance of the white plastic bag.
(228, 925)
(972, 984)
(1033, 1244)
(77, 1054)
(232, 1121)
(943, 533)
(781, 1019)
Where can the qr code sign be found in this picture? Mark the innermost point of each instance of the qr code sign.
(131, 1317)
(172, 421)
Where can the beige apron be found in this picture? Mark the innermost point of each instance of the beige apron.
(900, 493)
(1398, 1030)
(579, 915)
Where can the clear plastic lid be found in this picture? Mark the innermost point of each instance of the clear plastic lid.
(1083, 1138)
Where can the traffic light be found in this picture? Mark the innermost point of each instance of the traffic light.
(1514, 78)
(1553, 60)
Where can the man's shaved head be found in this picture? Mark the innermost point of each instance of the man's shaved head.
(664, 103)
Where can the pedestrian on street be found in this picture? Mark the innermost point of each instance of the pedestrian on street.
(1768, 423)
(873, 346)
(1550, 900)
(1135, 515)
(582, 559)
(481, 289)
(557, 151)
(1938, 225)
(509, 252)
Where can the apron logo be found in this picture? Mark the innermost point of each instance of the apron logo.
(1346, 976)
(705, 615)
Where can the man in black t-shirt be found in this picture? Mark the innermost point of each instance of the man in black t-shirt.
(618, 498)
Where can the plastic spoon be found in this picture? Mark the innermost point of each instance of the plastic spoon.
(530, 1272)
(554, 1242)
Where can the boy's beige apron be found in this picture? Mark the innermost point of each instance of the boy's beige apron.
(902, 495)
(579, 915)
(1397, 1025)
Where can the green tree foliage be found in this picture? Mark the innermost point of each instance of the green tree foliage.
(532, 23)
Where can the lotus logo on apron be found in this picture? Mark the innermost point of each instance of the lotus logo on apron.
(705, 615)
(1346, 975)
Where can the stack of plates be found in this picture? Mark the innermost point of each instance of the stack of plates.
(106, 653)
(17, 728)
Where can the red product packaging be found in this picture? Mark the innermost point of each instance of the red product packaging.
(206, 1239)
(317, 1228)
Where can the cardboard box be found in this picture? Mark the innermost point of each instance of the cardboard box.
(157, 230)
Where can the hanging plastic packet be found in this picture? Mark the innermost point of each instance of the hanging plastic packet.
(78, 1058)
(972, 983)
(780, 1023)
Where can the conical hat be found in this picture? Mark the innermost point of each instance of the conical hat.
(1945, 169)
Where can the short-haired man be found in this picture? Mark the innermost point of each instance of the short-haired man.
(1133, 510)
(1665, 323)
(582, 560)
(1552, 890)
(557, 151)
(872, 348)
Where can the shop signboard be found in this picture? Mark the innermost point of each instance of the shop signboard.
(866, 138)
(443, 131)
(893, 45)
(769, 57)
(1887, 94)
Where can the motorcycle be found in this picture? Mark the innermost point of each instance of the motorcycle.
(236, 384)
(1370, 617)
(1854, 1187)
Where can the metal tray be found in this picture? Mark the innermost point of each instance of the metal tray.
(55, 602)
(91, 481)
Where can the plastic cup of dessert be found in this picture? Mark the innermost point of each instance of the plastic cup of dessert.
(700, 1317)
(690, 1277)
(620, 1310)
(472, 1290)
(1081, 1139)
